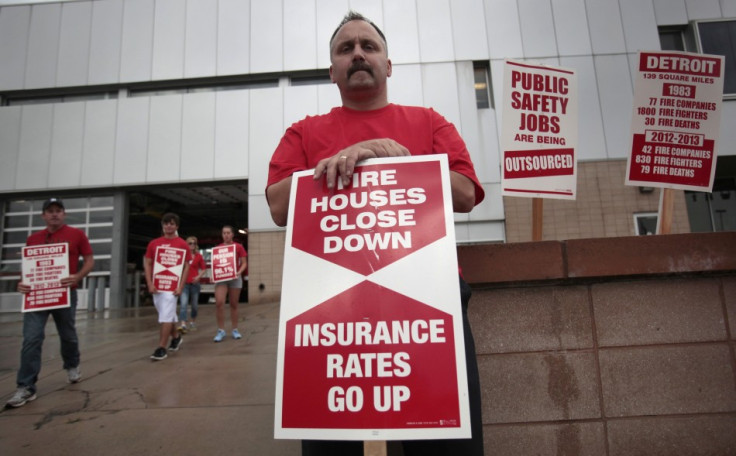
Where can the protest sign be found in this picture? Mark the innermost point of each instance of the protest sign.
(168, 263)
(540, 131)
(676, 120)
(224, 263)
(43, 267)
(370, 335)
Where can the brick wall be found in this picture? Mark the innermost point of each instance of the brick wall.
(266, 262)
(604, 207)
(614, 346)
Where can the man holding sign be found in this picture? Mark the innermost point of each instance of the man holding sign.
(368, 126)
(56, 232)
(166, 262)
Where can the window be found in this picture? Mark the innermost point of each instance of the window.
(719, 37)
(645, 223)
(672, 38)
(482, 80)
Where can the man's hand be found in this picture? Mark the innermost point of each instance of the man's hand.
(343, 163)
(69, 280)
(23, 288)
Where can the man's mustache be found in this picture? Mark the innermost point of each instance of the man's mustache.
(359, 66)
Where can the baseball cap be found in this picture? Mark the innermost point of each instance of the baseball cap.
(51, 201)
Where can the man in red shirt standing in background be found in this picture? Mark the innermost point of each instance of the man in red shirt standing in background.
(56, 232)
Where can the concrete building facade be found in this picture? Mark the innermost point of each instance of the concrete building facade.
(130, 108)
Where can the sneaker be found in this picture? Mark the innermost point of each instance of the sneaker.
(192, 326)
(73, 375)
(21, 396)
(159, 354)
(183, 329)
(175, 344)
(236, 334)
(220, 335)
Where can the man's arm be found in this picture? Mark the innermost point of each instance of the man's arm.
(278, 200)
(148, 270)
(463, 192)
(88, 264)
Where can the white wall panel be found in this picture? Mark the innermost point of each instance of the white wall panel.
(43, 46)
(591, 141)
(10, 117)
(164, 139)
(329, 14)
(105, 42)
(131, 144)
(728, 8)
(14, 23)
(76, 23)
(300, 35)
(497, 72)
(266, 36)
(604, 23)
(537, 28)
(435, 31)
(439, 82)
(259, 215)
(265, 106)
(670, 12)
(67, 134)
(491, 208)
(640, 25)
(405, 85)
(137, 46)
(198, 137)
(299, 102)
(231, 134)
(34, 147)
(504, 29)
(468, 125)
(372, 9)
(727, 137)
(233, 37)
(487, 163)
(616, 93)
(487, 231)
(703, 9)
(469, 30)
(328, 98)
(98, 150)
(571, 27)
(402, 31)
(168, 39)
(200, 51)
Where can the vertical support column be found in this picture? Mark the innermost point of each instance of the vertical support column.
(91, 293)
(119, 254)
(101, 288)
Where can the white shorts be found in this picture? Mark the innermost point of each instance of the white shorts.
(165, 303)
(234, 283)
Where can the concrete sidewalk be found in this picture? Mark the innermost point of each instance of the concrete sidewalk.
(207, 398)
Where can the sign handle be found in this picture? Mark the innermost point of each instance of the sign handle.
(666, 207)
(374, 448)
(537, 218)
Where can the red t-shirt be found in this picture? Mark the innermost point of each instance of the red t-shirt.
(196, 264)
(239, 251)
(77, 240)
(421, 130)
(176, 242)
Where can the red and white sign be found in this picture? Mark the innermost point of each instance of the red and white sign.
(676, 120)
(370, 337)
(43, 267)
(168, 264)
(540, 131)
(224, 263)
